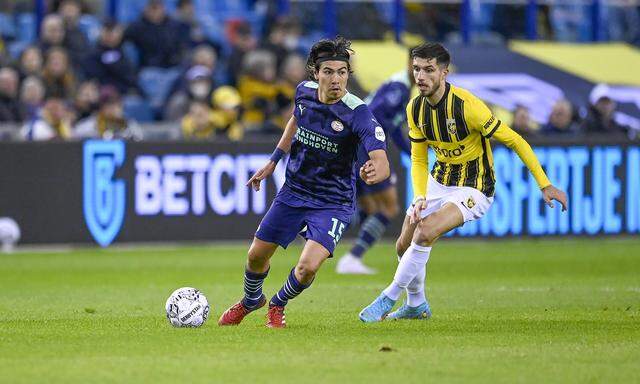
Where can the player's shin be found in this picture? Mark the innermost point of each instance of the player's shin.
(415, 289)
(414, 259)
(372, 229)
(253, 288)
(291, 288)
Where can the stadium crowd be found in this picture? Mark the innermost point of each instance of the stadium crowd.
(162, 67)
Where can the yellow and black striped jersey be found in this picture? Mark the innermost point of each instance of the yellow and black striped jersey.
(458, 129)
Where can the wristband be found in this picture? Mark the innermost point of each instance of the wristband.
(277, 155)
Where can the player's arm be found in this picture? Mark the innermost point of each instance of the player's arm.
(376, 169)
(284, 146)
(393, 127)
(419, 165)
(513, 140)
(491, 127)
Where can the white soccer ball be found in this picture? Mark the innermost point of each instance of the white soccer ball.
(187, 307)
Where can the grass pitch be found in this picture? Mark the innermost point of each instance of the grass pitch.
(503, 311)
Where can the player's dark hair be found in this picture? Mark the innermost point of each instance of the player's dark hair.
(432, 51)
(338, 48)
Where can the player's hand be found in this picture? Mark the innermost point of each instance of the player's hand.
(551, 193)
(262, 174)
(418, 207)
(368, 173)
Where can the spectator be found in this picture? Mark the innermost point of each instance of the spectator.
(197, 123)
(52, 122)
(75, 41)
(206, 56)
(156, 37)
(51, 32)
(522, 121)
(293, 73)
(241, 40)
(203, 122)
(108, 64)
(190, 31)
(258, 91)
(226, 112)
(57, 74)
(109, 121)
(282, 39)
(87, 100)
(9, 104)
(198, 85)
(30, 62)
(31, 97)
(600, 114)
(561, 119)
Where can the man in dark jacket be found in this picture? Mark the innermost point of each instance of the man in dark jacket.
(9, 105)
(600, 115)
(156, 37)
(108, 63)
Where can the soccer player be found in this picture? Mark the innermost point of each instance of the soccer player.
(378, 203)
(319, 192)
(461, 186)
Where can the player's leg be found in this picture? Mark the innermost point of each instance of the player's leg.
(269, 235)
(382, 203)
(416, 306)
(299, 279)
(351, 262)
(324, 230)
(428, 230)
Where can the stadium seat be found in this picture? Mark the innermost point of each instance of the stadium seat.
(137, 108)
(156, 84)
(90, 26)
(131, 52)
(26, 27)
(130, 12)
(15, 48)
(7, 27)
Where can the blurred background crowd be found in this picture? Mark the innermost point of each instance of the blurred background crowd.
(228, 69)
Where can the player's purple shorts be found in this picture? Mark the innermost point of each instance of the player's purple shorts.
(283, 223)
(363, 189)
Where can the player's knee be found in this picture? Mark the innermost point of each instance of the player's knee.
(390, 210)
(425, 235)
(306, 271)
(256, 259)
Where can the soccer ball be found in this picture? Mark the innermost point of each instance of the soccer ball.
(187, 307)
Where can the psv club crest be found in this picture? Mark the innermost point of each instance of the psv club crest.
(337, 126)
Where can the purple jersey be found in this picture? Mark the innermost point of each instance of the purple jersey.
(388, 104)
(320, 171)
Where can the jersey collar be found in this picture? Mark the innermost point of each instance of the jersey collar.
(447, 86)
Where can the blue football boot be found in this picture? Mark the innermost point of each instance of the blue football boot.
(421, 312)
(377, 310)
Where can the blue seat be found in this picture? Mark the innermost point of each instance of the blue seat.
(129, 11)
(7, 27)
(137, 108)
(90, 26)
(156, 84)
(26, 27)
(15, 48)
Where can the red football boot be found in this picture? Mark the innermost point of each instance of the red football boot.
(235, 314)
(275, 317)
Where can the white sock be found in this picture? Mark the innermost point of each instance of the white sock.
(411, 263)
(415, 289)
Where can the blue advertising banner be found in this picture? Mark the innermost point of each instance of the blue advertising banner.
(112, 191)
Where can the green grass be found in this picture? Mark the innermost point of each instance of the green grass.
(503, 311)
